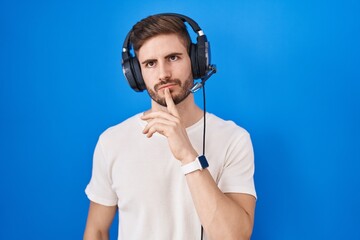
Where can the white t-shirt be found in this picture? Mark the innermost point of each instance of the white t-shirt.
(141, 176)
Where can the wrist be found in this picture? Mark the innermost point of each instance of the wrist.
(199, 163)
(189, 158)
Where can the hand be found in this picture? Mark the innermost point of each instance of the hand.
(169, 125)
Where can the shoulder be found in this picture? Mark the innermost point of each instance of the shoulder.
(225, 127)
(122, 129)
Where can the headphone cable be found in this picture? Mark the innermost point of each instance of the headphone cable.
(204, 129)
(204, 132)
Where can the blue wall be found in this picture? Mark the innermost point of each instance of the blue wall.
(288, 73)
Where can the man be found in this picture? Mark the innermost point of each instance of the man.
(139, 164)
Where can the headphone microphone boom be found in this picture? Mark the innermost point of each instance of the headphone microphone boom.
(201, 84)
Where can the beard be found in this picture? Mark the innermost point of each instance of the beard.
(178, 98)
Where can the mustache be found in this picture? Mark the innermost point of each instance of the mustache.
(170, 81)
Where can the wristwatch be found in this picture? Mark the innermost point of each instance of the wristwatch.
(199, 163)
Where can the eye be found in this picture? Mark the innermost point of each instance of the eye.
(150, 64)
(173, 58)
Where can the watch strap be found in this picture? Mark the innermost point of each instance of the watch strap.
(198, 164)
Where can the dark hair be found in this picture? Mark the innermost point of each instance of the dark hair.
(155, 25)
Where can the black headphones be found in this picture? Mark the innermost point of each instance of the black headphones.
(199, 55)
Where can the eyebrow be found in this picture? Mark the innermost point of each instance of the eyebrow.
(148, 60)
(173, 54)
(169, 55)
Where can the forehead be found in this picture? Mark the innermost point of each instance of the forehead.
(160, 46)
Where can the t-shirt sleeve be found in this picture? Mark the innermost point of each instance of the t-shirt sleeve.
(238, 170)
(99, 189)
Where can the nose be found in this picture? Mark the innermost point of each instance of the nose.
(164, 71)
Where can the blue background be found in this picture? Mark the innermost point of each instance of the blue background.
(288, 73)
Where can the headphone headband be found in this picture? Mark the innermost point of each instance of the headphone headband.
(199, 54)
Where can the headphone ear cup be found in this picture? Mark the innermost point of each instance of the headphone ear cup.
(136, 72)
(127, 70)
(202, 56)
(132, 72)
(194, 61)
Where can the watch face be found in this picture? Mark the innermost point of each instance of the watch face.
(204, 163)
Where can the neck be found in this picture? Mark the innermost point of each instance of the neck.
(189, 112)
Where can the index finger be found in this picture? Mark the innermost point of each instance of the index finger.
(170, 105)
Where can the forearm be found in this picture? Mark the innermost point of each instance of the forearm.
(221, 217)
(93, 234)
(99, 221)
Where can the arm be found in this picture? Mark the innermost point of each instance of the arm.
(99, 221)
(223, 216)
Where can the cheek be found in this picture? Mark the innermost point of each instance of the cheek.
(148, 77)
(188, 66)
(184, 69)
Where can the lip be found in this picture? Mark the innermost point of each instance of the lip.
(166, 86)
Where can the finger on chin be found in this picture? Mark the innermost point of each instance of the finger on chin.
(170, 103)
